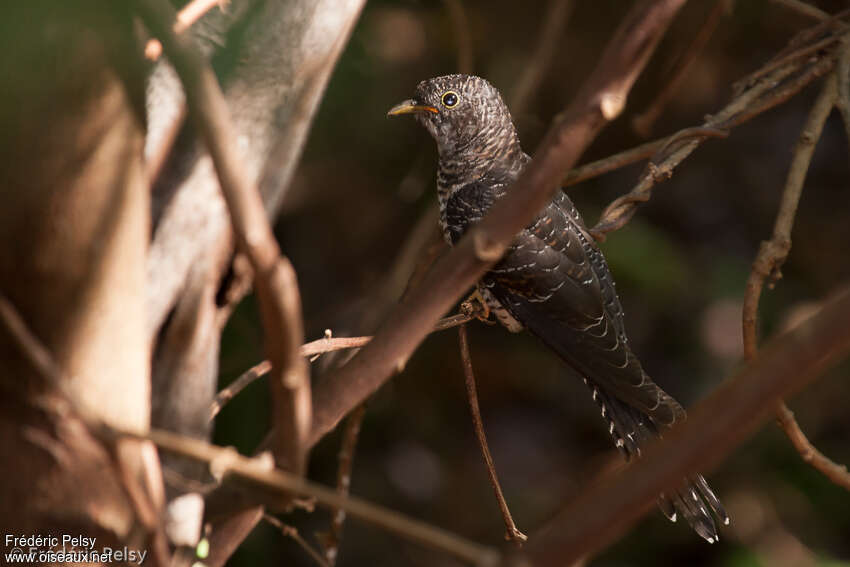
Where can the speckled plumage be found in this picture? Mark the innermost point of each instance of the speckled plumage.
(553, 280)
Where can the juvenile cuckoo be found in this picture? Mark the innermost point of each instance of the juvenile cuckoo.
(553, 280)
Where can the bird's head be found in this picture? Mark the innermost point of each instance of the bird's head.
(463, 113)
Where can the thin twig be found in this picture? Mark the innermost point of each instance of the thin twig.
(768, 263)
(616, 161)
(259, 473)
(512, 534)
(274, 278)
(835, 472)
(314, 348)
(842, 72)
(768, 91)
(718, 424)
(554, 22)
(643, 122)
(803, 8)
(187, 16)
(331, 539)
(29, 344)
(462, 35)
(636, 154)
(601, 99)
(292, 532)
(794, 51)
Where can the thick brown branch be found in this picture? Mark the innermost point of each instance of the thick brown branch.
(512, 533)
(311, 349)
(599, 101)
(714, 428)
(274, 278)
(769, 261)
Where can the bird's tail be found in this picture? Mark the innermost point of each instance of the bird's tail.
(694, 500)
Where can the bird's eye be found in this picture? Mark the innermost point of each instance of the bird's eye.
(450, 99)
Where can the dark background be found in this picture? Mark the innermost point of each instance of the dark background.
(681, 265)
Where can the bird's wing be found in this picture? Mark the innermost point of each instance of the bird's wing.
(555, 281)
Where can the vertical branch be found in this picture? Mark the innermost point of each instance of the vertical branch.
(772, 253)
(768, 263)
(274, 276)
(463, 35)
(810, 454)
(842, 72)
(512, 534)
(291, 532)
(350, 435)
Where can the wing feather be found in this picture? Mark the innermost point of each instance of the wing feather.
(555, 281)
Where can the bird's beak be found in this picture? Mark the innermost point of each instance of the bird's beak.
(410, 106)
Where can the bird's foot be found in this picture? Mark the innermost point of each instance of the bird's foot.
(475, 306)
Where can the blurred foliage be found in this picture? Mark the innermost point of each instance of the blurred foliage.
(681, 266)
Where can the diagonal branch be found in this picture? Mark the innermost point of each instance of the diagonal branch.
(803, 8)
(842, 71)
(275, 282)
(312, 349)
(600, 100)
(643, 122)
(512, 533)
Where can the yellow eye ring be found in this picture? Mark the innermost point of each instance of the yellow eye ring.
(450, 99)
